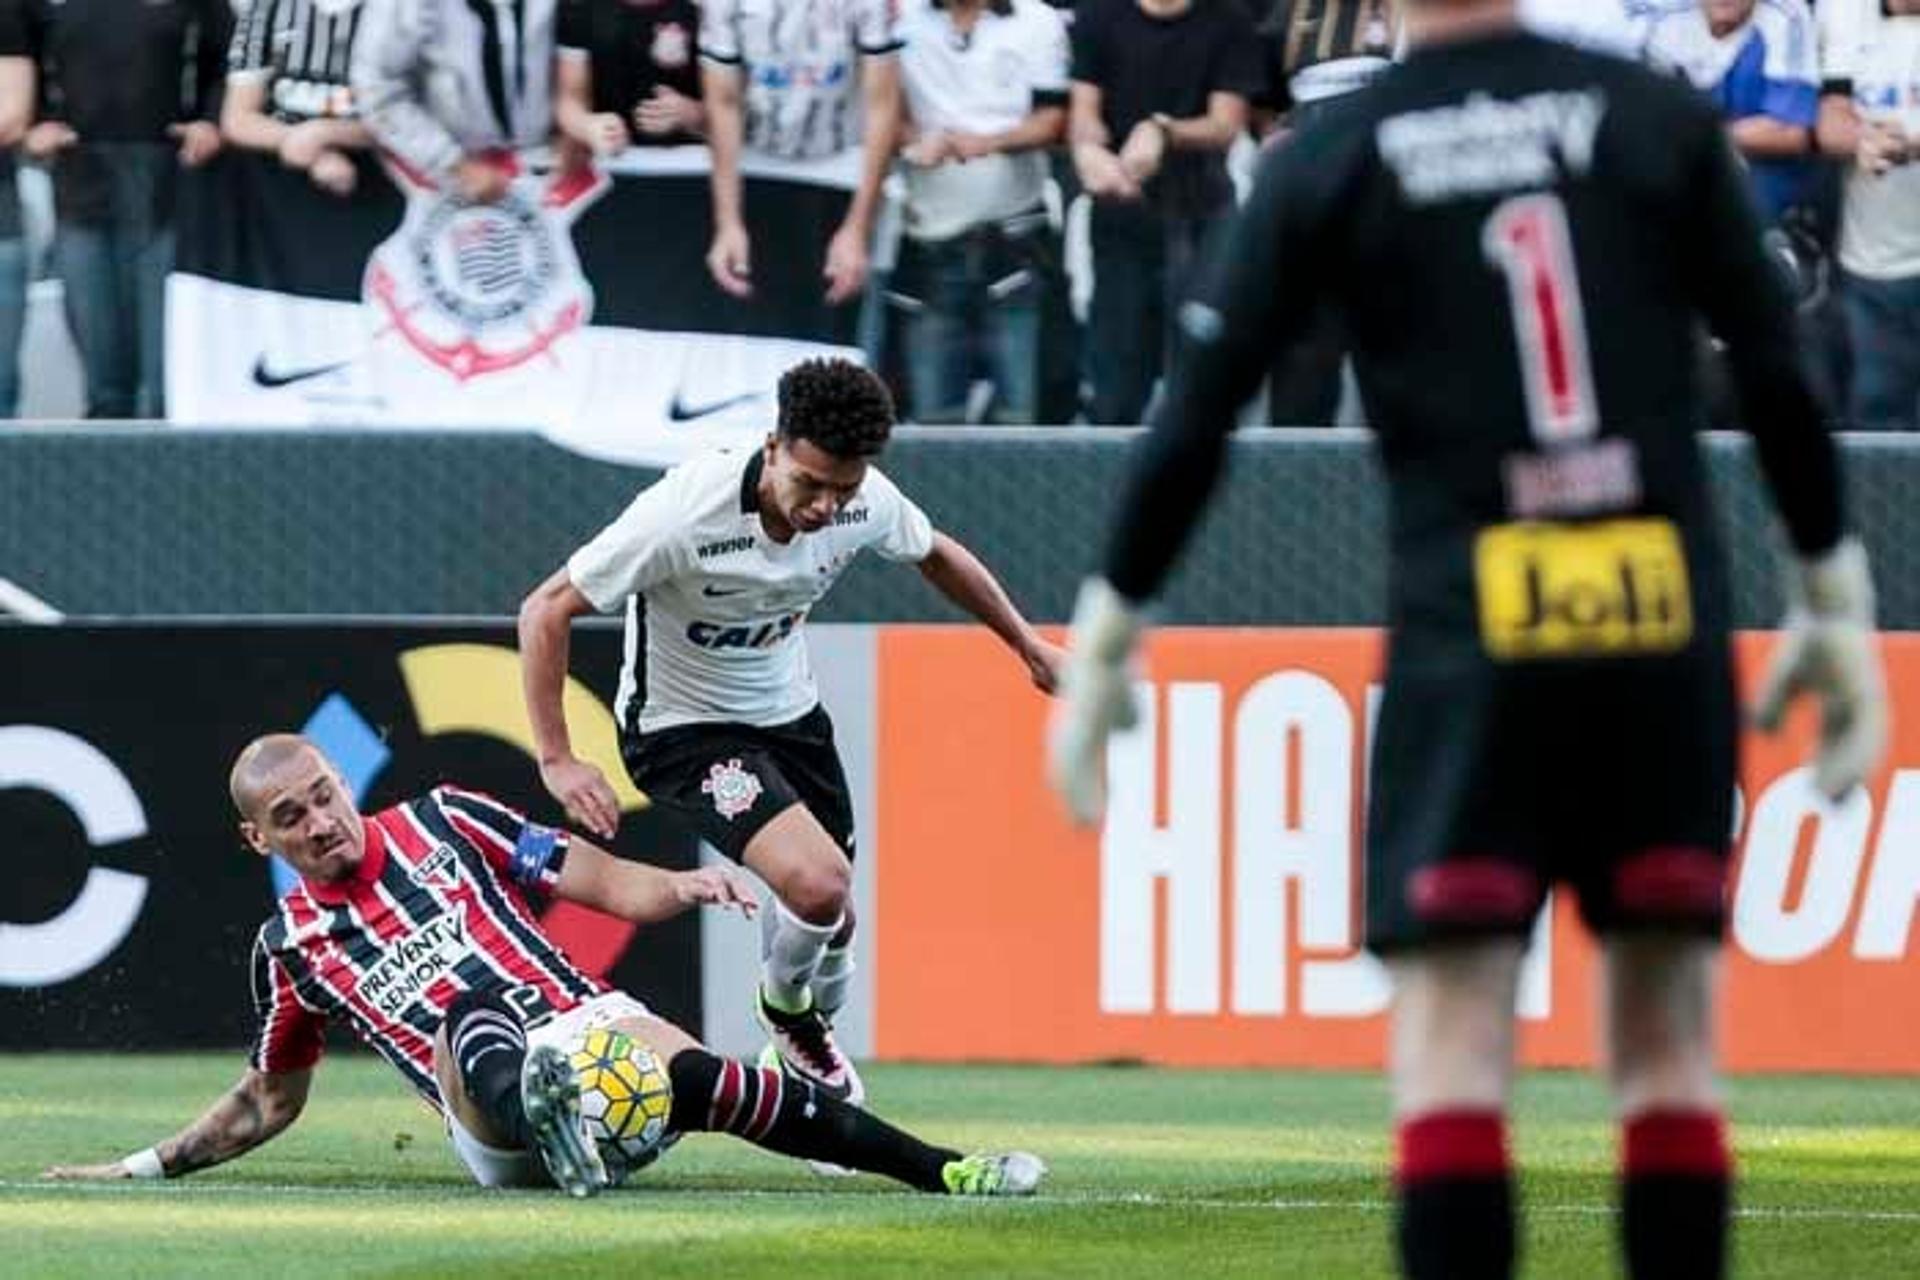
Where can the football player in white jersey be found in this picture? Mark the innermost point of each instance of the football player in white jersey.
(717, 565)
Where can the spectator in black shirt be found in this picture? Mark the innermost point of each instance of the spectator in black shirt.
(1160, 92)
(118, 124)
(627, 74)
(1319, 51)
(16, 113)
(288, 89)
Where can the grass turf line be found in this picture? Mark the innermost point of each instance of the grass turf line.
(1155, 1173)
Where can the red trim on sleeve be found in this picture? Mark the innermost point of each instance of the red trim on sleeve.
(292, 1037)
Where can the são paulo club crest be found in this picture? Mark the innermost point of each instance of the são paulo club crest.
(481, 289)
(732, 788)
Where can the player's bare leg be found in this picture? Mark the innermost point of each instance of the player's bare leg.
(812, 879)
(1675, 1165)
(790, 1115)
(513, 1098)
(1450, 1055)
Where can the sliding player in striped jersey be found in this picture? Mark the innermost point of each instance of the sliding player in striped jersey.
(412, 926)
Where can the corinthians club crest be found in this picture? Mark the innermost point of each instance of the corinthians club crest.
(732, 787)
(477, 289)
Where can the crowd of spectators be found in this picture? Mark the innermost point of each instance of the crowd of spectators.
(1039, 157)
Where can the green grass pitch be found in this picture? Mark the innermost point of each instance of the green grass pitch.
(1155, 1173)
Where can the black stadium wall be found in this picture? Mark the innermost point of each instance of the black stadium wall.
(130, 903)
(122, 522)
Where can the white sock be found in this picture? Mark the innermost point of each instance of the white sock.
(793, 954)
(832, 978)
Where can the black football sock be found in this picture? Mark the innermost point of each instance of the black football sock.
(1674, 1195)
(489, 1045)
(787, 1114)
(1455, 1191)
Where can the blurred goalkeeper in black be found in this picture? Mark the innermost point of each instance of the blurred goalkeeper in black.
(1522, 237)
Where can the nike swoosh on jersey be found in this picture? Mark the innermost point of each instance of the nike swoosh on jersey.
(680, 411)
(265, 377)
(718, 592)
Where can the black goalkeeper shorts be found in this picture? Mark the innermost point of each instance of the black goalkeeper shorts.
(1492, 783)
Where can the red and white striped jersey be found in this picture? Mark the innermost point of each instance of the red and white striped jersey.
(436, 907)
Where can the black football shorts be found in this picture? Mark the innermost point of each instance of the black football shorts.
(1494, 782)
(727, 781)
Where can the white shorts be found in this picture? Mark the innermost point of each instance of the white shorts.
(492, 1167)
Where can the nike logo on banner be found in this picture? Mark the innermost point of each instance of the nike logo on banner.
(681, 411)
(718, 592)
(265, 377)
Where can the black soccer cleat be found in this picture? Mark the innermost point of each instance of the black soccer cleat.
(806, 1047)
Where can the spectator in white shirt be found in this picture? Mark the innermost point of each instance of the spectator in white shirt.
(799, 80)
(1758, 60)
(1609, 26)
(986, 94)
(451, 88)
(1870, 117)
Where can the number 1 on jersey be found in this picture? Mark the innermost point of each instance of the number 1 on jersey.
(1528, 239)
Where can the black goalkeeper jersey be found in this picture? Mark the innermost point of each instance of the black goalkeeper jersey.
(1524, 239)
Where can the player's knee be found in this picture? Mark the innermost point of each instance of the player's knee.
(1468, 1065)
(1451, 1040)
(844, 938)
(470, 1002)
(819, 892)
(1660, 1025)
(1662, 1070)
(461, 1012)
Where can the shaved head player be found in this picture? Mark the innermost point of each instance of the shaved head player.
(412, 926)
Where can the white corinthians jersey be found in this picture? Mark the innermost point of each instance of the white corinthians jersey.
(718, 601)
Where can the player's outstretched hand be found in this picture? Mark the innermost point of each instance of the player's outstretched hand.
(1096, 698)
(88, 1172)
(717, 887)
(1828, 649)
(586, 794)
(1046, 663)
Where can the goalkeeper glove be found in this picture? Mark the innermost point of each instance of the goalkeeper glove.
(1828, 650)
(1096, 698)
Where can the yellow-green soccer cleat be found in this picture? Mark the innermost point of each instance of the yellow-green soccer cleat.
(1013, 1174)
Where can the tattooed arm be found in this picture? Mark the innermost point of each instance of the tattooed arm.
(254, 1110)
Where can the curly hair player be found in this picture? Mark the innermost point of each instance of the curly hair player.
(717, 565)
